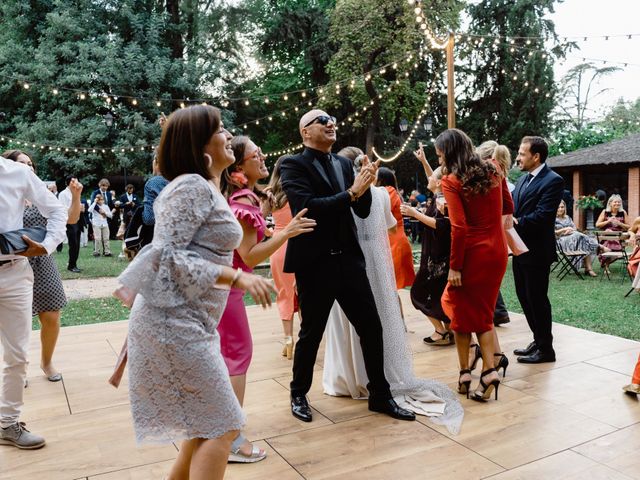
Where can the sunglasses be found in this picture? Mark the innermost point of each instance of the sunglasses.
(322, 120)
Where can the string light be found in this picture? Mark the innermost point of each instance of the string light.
(414, 129)
(73, 148)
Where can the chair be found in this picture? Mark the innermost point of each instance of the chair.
(614, 256)
(568, 261)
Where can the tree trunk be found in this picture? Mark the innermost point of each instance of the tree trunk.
(374, 123)
(173, 32)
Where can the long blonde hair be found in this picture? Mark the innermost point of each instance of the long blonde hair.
(612, 198)
(278, 197)
(485, 149)
(502, 156)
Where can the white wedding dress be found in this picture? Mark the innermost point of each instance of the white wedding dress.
(344, 372)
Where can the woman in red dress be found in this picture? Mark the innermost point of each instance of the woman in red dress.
(477, 198)
(400, 246)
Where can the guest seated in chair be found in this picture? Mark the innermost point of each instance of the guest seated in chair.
(612, 219)
(571, 240)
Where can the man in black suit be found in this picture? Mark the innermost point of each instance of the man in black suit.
(328, 262)
(536, 198)
(129, 202)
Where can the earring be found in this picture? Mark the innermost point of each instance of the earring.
(209, 160)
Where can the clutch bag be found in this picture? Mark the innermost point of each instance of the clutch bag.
(12, 243)
(515, 243)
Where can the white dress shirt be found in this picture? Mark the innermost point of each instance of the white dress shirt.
(17, 184)
(65, 198)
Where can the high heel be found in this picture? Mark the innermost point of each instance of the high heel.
(287, 349)
(484, 394)
(464, 387)
(503, 363)
(477, 356)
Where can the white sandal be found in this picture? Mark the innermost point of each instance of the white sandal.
(236, 456)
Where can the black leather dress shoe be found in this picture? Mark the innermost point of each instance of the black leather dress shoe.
(528, 350)
(300, 408)
(538, 357)
(391, 408)
(74, 270)
(501, 321)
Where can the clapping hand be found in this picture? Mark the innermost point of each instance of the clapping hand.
(299, 224)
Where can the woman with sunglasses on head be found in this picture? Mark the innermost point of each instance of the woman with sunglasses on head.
(239, 185)
(48, 292)
(178, 383)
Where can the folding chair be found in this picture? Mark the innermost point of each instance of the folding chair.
(569, 261)
(614, 256)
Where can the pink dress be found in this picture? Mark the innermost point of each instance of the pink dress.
(236, 344)
(285, 282)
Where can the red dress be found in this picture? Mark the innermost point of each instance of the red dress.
(479, 251)
(400, 246)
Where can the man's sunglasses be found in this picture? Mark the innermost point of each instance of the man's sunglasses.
(322, 120)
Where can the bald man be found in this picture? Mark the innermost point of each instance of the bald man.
(328, 262)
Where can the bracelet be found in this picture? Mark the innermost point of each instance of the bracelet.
(352, 195)
(236, 276)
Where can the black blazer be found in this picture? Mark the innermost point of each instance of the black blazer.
(307, 186)
(123, 203)
(108, 201)
(535, 210)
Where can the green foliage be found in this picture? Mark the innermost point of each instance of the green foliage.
(568, 141)
(587, 202)
(494, 105)
(114, 47)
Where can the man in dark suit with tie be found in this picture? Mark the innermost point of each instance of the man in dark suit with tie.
(129, 202)
(328, 262)
(536, 199)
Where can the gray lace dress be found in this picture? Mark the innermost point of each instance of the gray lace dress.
(178, 383)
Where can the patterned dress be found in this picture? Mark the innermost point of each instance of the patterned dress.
(48, 292)
(576, 240)
(178, 383)
(235, 336)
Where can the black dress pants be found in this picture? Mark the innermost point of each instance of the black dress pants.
(73, 236)
(532, 285)
(343, 278)
(501, 308)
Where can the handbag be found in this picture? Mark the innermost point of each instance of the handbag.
(11, 243)
(515, 243)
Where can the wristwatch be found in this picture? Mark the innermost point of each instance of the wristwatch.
(351, 195)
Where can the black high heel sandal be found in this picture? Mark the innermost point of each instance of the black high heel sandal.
(477, 356)
(464, 387)
(503, 363)
(485, 394)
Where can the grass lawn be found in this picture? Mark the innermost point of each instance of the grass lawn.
(91, 266)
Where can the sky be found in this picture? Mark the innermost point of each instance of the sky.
(600, 17)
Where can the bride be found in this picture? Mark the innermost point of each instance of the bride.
(344, 373)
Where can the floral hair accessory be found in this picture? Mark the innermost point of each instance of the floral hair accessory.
(240, 178)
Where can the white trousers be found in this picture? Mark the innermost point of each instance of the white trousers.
(101, 239)
(16, 296)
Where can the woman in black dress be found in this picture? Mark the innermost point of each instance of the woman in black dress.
(431, 278)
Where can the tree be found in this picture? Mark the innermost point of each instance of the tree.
(82, 59)
(576, 92)
(499, 80)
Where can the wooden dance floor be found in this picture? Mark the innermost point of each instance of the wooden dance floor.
(568, 420)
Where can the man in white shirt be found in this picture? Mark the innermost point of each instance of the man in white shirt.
(73, 229)
(17, 184)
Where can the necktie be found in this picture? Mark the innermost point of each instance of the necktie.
(527, 181)
(327, 164)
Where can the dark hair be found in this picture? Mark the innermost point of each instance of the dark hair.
(68, 178)
(229, 184)
(183, 139)
(537, 145)
(14, 154)
(461, 160)
(386, 178)
(129, 185)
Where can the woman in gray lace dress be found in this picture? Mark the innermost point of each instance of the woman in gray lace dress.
(178, 383)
